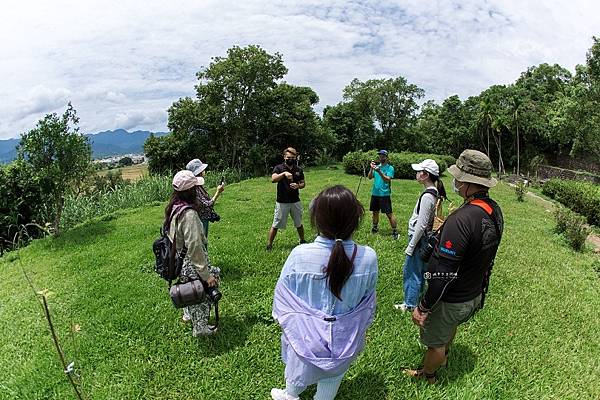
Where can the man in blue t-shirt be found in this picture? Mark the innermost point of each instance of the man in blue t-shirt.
(381, 199)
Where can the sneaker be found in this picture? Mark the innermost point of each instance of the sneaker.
(205, 332)
(186, 318)
(374, 229)
(403, 307)
(281, 394)
(395, 235)
(269, 247)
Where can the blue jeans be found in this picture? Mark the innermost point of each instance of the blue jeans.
(414, 268)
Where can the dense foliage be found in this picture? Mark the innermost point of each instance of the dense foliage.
(581, 197)
(357, 163)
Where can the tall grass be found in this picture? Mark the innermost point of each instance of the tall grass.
(147, 190)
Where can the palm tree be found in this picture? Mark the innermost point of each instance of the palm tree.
(516, 104)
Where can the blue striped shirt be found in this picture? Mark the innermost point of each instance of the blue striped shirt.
(303, 273)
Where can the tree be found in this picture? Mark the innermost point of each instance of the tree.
(578, 114)
(125, 162)
(58, 155)
(242, 117)
(392, 106)
(351, 130)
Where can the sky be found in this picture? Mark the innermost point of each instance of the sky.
(123, 63)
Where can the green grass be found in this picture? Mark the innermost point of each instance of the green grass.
(537, 338)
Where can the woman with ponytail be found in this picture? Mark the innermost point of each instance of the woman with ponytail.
(419, 224)
(325, 298)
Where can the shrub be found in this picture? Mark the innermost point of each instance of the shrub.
(22, 202)
(577, 232)
(573, 226)
(357, 162)
(581, 197)
(562, 216)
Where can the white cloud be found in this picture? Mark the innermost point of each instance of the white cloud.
(128, 61)
(41, 99)
(139, 119)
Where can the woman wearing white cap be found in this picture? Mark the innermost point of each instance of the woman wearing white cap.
(181, 217)
(420, 222)
(206, 211)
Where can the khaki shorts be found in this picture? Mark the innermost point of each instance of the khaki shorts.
(441, 323)
(281, 214)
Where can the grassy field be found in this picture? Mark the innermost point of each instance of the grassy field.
(131, 173)
(537, 338)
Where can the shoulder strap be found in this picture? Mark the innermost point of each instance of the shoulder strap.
(488, 273)
(489, 211)
(354, 254)
(173, 258)
(430, 191)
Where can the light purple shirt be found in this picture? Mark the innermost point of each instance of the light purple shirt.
(321, 334)
(304, 272)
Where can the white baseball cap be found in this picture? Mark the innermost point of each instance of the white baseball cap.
(427, 165)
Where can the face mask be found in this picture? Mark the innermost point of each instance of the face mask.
(290, 162)
(454, 187)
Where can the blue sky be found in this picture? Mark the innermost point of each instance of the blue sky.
(123, 63)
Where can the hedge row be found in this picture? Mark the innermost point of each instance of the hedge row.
(581, 197)
(357, 162)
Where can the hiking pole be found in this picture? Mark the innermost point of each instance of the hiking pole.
(360, 180)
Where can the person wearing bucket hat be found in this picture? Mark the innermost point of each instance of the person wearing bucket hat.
(381, 193)
(190, 235)
(460, 267)
(207, 212)
(419, 225)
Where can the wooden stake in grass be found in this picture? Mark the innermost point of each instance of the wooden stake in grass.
(68, 369)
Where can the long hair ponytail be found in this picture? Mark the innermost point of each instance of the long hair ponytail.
(336, 213)
(439, 185)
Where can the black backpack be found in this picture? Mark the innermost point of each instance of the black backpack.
(432, 192)
(168, 262)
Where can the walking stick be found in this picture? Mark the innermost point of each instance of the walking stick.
(360, 180)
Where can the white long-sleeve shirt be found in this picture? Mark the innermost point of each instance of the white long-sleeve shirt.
(421, 222)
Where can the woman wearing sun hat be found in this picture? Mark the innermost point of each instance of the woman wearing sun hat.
(181, 216)
(206, 212)
(420, 223)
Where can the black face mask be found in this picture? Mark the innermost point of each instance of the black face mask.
(290, 162)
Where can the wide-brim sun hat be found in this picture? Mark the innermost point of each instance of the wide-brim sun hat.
(427, 165)
(473, 166)
(196, 166)
(184, 180)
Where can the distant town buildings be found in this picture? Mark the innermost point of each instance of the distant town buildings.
(116, 161)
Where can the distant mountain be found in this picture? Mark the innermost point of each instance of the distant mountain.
(8, 150)
(104, 144)
(118, 142)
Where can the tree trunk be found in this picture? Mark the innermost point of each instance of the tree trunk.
(498, 142)
(487, 150)
(518, 152)
(60, 202)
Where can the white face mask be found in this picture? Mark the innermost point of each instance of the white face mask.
(454, 187)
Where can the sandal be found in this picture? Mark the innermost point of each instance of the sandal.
(420, 374)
